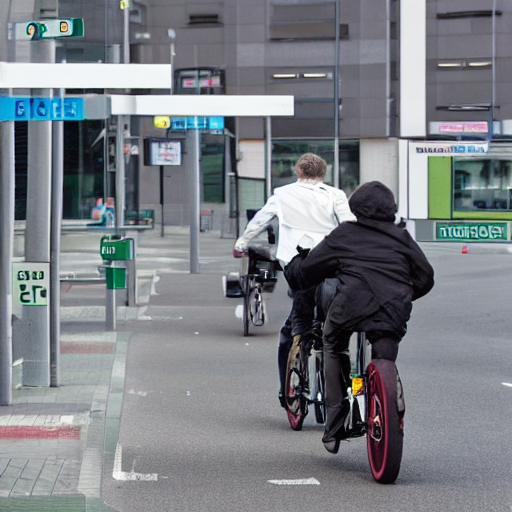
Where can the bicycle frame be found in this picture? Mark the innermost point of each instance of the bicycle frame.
(305, 383)
(257, 275)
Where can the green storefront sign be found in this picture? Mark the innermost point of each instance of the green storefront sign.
(471, 231)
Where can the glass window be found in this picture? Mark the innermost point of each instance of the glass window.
(285, 154)
(212, 165)
(307, 21)
(481, 184)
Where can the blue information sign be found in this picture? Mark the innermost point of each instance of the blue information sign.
(197, 123)
(15, 108)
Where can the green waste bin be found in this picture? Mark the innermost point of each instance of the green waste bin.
(114, 248)
(115, 278)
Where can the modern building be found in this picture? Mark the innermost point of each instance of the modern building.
(413, 93)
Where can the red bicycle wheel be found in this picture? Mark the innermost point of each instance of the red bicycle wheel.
(296, 378)
(385, 434)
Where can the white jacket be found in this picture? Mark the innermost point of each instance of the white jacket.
(306, 212)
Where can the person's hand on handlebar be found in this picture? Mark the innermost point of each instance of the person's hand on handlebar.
(237, 253)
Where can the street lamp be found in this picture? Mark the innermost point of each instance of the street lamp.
(172, 36)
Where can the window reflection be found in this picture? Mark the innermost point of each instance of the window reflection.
(482, 184)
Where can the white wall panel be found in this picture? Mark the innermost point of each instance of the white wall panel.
(413, 68)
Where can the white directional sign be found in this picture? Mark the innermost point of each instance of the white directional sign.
(31, 282)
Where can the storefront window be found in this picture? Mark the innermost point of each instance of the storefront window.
(481, 184)
(285, 154)
(212, 165)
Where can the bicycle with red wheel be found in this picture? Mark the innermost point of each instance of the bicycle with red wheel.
(375, 396)
(377, 410)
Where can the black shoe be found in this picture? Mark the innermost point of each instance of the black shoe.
(331, 445)
(282, 400)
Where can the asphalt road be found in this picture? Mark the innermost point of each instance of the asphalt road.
(201, 420)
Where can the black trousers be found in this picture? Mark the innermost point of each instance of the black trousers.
(337, 369)
(309, 308)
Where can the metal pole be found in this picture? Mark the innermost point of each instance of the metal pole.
(36, 349)
(126, 36)
(55, 230)
(493, 93)
(171, 33)
(336, 170)
(6, 251)
(268, 157)
(195, 157)
(120, 174)
(110, 310)
(162, 198)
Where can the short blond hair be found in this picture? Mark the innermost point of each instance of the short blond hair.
(310, 165)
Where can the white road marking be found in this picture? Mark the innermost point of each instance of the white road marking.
(300, 481)
(140, 393)
(119, 474)
(508, 384)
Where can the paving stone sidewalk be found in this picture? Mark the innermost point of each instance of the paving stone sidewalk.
(54, 442)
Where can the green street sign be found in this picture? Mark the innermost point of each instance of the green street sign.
(49, 29)
(31, 282)
(471, 231)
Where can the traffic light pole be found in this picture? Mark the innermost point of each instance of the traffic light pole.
(35, 347)
(6, 250)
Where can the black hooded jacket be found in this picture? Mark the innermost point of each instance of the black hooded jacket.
(380, 268)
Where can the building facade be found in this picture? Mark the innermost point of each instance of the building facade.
(413, 93)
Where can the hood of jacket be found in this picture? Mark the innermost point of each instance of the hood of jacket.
(373, 201)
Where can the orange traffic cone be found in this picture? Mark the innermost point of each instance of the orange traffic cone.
(464, 249)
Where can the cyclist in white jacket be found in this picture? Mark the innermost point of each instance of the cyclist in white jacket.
(307, 211)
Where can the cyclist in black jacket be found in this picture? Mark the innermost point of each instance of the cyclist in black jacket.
(380, 271)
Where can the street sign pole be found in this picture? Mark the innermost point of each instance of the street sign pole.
(55, 230)
(36, 346)
(120, 174)
(162, 231)
(6, 250)
(193, 141)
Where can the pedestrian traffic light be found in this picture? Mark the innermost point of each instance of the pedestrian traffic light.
(35, 30)
(48, 29)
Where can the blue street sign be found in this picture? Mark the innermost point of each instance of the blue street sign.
(197, 123)
(14, 108)
(40, 110)
(68, 109)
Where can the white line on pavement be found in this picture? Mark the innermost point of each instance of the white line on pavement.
(300, 481)
(119, 474)
(508, 384)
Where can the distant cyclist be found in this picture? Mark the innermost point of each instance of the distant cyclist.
(380, 271)
(307, 211)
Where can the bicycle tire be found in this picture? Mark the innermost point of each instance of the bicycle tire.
(257, 310)
(296, 376)
(385, 433)
(246, 314)
(319, 393)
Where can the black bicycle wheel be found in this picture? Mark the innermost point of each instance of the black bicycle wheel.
(257, 311)
(319, 395)
(385, 435)
(296, 384)
(246, 316)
